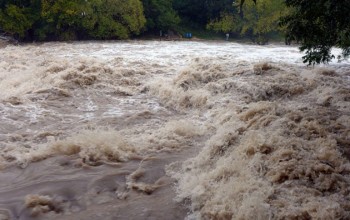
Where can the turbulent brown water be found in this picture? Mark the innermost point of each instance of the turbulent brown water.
(172, 130)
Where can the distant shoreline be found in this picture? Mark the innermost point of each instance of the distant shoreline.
(4, 43)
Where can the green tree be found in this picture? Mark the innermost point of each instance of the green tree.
(116, 19)
(71, 19)
(160, 14)
(63, 18)
(200, 12)
(191, 11)
(258, 21)
(228, 22)
(18, 17)
(318, 26)
(262, 19)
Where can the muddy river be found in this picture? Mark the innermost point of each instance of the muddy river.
(172, 130)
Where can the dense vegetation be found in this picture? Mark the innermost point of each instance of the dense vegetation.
(71, 19)
(316, 25)
(258, 21)
(121, 19)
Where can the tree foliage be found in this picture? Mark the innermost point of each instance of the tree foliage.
(226, 23)
(160, 14)
(17, 17)
(256, 20)
(72, 19)
(318, 26)
(116, 19)
(202, 11)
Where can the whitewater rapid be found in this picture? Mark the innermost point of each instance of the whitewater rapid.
(172, 130)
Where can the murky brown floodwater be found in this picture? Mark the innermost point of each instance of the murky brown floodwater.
(168, 130)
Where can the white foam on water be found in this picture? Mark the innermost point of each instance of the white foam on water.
(270, 135)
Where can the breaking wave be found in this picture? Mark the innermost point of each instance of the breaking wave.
(280, 149)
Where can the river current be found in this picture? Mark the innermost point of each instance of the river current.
(172, 130)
